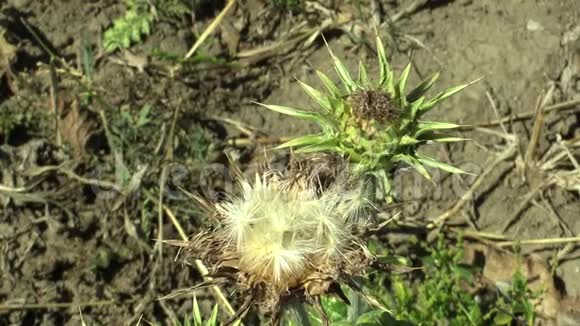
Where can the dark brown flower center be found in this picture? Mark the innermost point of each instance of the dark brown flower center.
(373, 104)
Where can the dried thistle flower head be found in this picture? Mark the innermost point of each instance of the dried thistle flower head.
(282, 239)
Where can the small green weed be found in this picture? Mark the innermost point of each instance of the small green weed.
(514, 302)
(442, 294)
(337, 313)
(286, 5)
(138, 20)
(194, 145)
(129, 28)
(134, 133)
(173, 9)
(13, 117)
(195, 318)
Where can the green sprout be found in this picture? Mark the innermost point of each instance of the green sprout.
(195, 319)
(375, 125)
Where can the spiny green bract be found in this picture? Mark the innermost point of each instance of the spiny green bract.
(374, 124)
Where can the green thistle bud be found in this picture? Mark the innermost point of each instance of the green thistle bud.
(374, 124)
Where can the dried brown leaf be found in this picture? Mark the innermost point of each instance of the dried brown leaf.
(76, 127)
(7, 54)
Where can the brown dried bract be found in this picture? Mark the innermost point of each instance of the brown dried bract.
(319, 170)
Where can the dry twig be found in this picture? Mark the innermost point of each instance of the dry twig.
(56, 305)
(546, 241)
(198, 263)
(568, 105)
(214, 24)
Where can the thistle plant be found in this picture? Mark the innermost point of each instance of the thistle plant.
(284, 241)
(374, 124)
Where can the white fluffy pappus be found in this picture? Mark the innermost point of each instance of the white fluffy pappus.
(281, 231)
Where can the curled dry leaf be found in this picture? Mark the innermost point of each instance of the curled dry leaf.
(76, 126)
(230, 35)
(7, 55)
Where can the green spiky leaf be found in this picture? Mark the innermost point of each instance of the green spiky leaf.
(439, 165)
(196, 312)
(330, 86)
(444, 95)
(302, 141)
(422, 88)
(344, 75)
(362, 74)
(425, 126)
(415, 107)
(401, 85)
(306, 115)
(327, 146)
(213, 318)
(320, 98)
(440, 138)
(408, 140)
(386, 72)
(413, 162)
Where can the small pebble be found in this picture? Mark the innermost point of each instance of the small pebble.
(534, 26)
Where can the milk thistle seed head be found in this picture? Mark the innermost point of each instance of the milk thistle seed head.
(374, 124)
(284, 238)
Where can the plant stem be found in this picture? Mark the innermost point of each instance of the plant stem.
(370, 187)
(355, 308)
(370, 194)
(300, 315)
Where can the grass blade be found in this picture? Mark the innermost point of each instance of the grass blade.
(196, 312)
